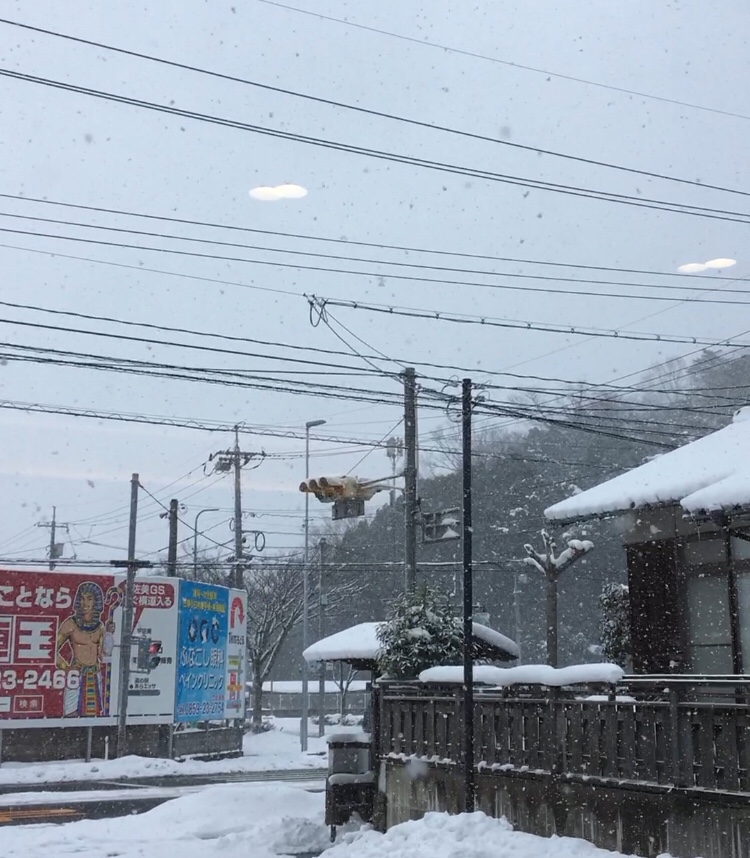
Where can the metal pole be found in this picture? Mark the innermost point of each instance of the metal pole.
(322, 675)
(172, 549)
(239, 581)
(410, 478)
(195, 538)
(468, 595)
(89, 742)
(303, 727)
(305, 604)
(126, 635)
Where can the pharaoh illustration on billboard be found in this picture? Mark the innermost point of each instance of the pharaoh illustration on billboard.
(84, 645)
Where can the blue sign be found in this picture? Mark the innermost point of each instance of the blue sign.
(202, 623)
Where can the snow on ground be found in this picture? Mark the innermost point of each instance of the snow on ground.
(475, 835)
(231, 821)
(265, 820)
(274, 750)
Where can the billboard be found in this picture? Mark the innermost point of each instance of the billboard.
(60, 645)
(153, 656)
(202, 637)
(59, 638)
(234, 697)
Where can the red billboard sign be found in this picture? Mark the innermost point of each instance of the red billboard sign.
(57, 644)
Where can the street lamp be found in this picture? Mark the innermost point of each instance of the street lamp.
(306, 594)
(195, 536)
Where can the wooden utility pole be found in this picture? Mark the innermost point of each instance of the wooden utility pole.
(468, 601)
(410, 479)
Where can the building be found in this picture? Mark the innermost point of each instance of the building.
(684, 519)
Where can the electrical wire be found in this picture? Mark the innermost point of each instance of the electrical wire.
(347, 241)
(371, 112)
(388, 275)
(508, 63)
(443, 167)
(488, 321)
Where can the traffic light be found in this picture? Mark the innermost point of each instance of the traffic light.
(330, 489)
(149, 654)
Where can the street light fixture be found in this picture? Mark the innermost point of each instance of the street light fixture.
(306, 594)
(195, 537)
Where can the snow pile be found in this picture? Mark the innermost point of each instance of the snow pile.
(527, 674)
(708, 474)
(276, 749)
(234, 821)
(474, 835)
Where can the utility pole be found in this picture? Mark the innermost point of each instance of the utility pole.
(410, 478)
(468, 599)
(55, 548)
(304, 720)
(228, 460)
(172, 550)
(394, 451)
(239, 578)
(322, 602)
(126, 634)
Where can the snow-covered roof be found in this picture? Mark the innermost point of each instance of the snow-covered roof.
(526, 674)
(360, 643)
(711, 473)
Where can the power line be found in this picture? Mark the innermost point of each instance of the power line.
(443, 167)
(378, 274)
(371, 112)
(488, 321)
(537, 70)
(347, 241)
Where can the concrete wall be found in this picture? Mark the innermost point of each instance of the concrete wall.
(633, 820)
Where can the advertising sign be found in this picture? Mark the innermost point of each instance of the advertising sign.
(202, 637)
(234, 699)
(58, 648)
(153, 656)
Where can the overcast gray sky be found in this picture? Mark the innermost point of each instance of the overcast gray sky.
(76, 149)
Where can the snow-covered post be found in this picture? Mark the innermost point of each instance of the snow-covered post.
(551, 565)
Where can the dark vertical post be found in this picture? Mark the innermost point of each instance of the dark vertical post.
(410, 478)
(126, 634)
(321, 627)
(468, 714)
(52, 548)
(172, 549)
(239, 578)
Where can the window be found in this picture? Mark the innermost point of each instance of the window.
(710, 635)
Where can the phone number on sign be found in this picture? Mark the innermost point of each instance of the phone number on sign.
(32, 680)
(205, 707)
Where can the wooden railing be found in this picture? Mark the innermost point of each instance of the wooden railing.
(687, 732)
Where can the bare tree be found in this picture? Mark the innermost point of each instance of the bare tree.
(274, 607)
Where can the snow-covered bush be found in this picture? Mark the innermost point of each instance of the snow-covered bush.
(615, 624)
(422, 631)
